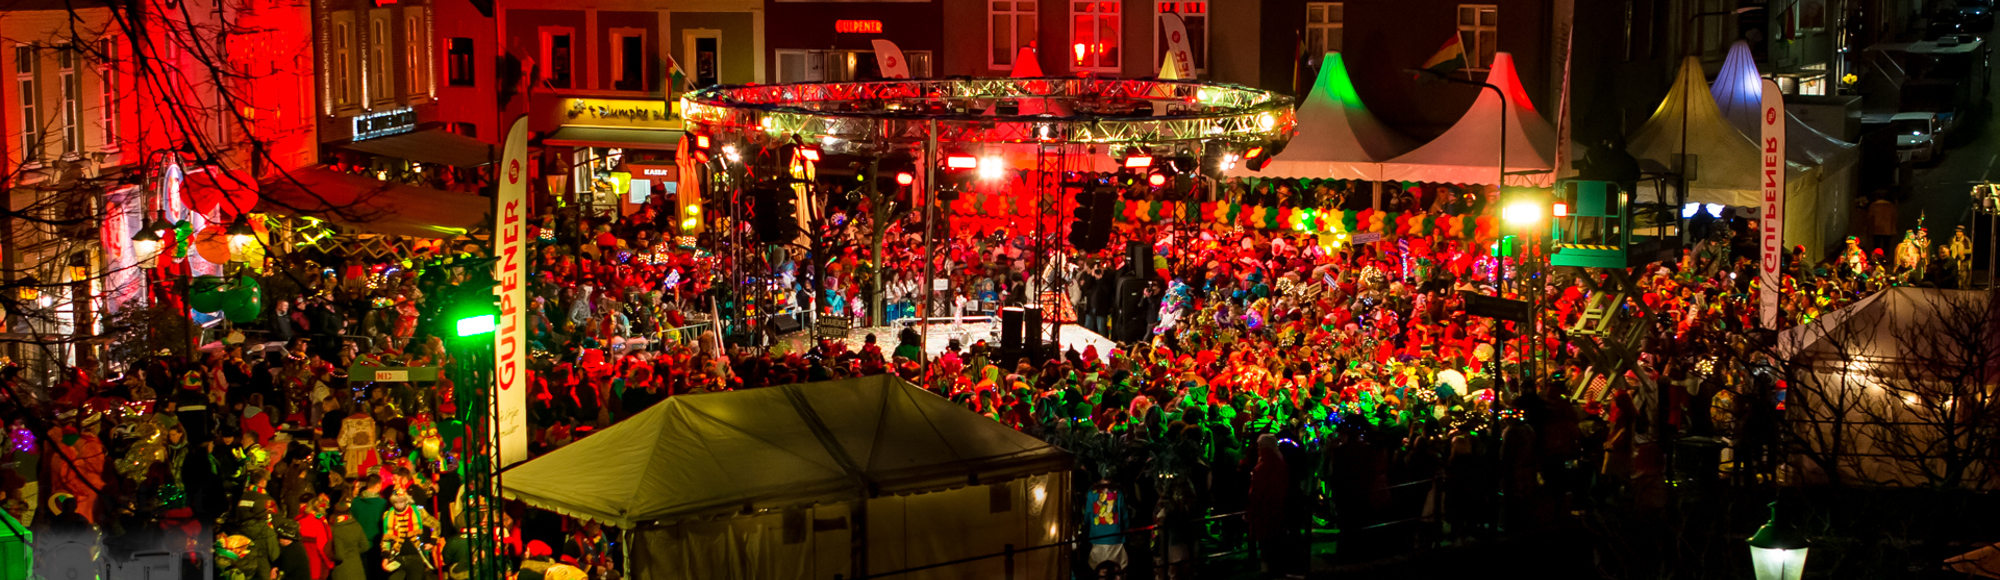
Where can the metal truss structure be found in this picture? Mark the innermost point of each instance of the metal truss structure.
(1085, 111)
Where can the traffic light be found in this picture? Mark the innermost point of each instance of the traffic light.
(1090, 231)
(774, 214)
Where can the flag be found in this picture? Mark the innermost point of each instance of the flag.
(890, 59)
(1298, 62)
(1449, 59)
(676, 78)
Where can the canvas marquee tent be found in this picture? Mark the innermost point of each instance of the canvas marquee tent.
(807, 481)
(1818, 220)
(1469, 151)
(1338, 138)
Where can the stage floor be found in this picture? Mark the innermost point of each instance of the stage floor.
(1069, 335)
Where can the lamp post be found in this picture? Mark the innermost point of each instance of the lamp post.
(1778, 550)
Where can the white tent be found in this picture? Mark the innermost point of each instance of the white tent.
(791, 482)
(1728, 165)
(1469, 152)
(1338, 138)
(1815, 221)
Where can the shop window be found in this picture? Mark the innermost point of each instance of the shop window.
(1479, 29)
(1094, 36)
(1012, 26)
(459, 62)
(1326, 22)
(1194, 17)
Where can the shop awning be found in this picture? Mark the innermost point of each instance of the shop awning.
(624, 138)
(430, 146)
(373, 206)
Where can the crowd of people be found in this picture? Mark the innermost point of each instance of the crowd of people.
(1297, 382)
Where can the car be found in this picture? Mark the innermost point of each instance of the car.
(1917, 137)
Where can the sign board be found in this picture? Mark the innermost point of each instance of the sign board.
(653, 172)
(369, 373)
(1771, 240)
(1179, 62)
(384, 123)
(1477, 304)
(857, 26)
(940, 284)
(1365, 238)
(510, 276)
(834, 326)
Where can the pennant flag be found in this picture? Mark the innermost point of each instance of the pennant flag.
(676, 78)
(890, 59)
(1449, 59)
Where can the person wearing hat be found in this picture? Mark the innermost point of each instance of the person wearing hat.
(293, 562)
(349, 545)
(409, 535)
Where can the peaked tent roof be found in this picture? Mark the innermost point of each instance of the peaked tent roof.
(1468, 152)
(1727, 161)
(1905, 325)
(1337, 136)
(721, 453)
(1739, 93)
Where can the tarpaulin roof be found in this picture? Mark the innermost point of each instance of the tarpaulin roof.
(1739, 93)
(1727, 162)
(371, 205)
(1337, 136)
(1922, 326)
(716, 454)
(1468, 152)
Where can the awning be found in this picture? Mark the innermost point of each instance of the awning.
(660, 139)
(374, 206)
(429, 146)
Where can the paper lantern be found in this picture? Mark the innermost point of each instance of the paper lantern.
(212, 243)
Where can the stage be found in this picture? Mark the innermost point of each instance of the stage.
(986, 329)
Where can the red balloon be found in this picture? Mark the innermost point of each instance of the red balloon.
(217, 188)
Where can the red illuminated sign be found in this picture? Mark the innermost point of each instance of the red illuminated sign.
(858, 26)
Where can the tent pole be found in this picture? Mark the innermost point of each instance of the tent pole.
(1377, 187)
(858, 539)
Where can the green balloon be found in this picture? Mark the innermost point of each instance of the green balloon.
(208, 294)
(246, 304)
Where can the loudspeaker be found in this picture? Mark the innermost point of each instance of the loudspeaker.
(783, 325)
(1139, 257)
(1031, 332)
(1011, 319)
(1128, 322)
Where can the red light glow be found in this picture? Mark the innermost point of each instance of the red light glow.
(904, 178)
(1157, 179)
(1561, 209)
(961, 162)
(858, 26)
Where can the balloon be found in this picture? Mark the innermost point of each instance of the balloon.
(246, 303)
(212, 243)
(207, 294)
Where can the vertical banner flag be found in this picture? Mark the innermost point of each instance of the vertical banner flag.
(510, 346)
(891, 60)
(1179, 56)
(1772, 239)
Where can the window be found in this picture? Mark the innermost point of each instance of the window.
(342, 78)
(1013, 27)
(417, 57)
(107, 109)
(1194, 17)
(459, 65)
(1093, 36)
(381, 81)
(556, 56)
(628, 59)
(1711, 27)
(72, 90)
(25, 67)
(1479, 29)
(1325, 24)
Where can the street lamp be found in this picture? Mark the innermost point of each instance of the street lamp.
(1778, 550)
(1521, 213)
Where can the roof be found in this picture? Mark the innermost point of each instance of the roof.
(1739, 94)
(1469, 151)
(1901, 324)
(374, 206)
(1912, 116)
(1337, 136)
(1727, 162)
(623, 137)
(696, 456)
(429, 146)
